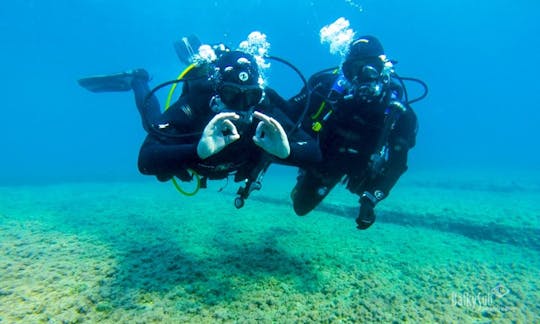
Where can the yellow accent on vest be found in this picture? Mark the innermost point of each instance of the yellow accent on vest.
(167, 105)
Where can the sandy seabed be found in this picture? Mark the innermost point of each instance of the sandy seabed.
(447, 247)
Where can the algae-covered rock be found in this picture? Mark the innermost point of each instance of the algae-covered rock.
(103, 307)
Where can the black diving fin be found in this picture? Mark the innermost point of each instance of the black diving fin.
(112, 82)
(186, 48)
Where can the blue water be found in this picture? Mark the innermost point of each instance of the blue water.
(478, 57)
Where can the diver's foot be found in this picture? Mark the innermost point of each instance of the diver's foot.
(139, 74)
(114, 82)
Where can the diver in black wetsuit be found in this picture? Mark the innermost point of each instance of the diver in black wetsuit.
(225, 122)
(364, 127)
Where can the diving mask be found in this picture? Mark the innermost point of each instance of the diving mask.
(363, 69)
(240, 97)
(367, 76)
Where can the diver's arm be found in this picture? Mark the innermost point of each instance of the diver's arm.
(381, 184)
(303, 148)
(402, 139)
(380, 180)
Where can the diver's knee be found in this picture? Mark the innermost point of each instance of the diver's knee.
(301, 210)
(302, 202)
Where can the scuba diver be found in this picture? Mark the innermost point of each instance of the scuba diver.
(362, 118)
(225, 122)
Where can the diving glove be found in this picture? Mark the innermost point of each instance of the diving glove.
(217, 134)
(366, 216)
(271, 136)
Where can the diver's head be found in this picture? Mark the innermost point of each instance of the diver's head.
(365, 67)
(237, 81)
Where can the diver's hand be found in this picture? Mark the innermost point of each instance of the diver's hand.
(271, 137)
(219, 133)
(366, 216)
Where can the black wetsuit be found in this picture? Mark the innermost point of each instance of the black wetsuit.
(349, 135)
(166, 154)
